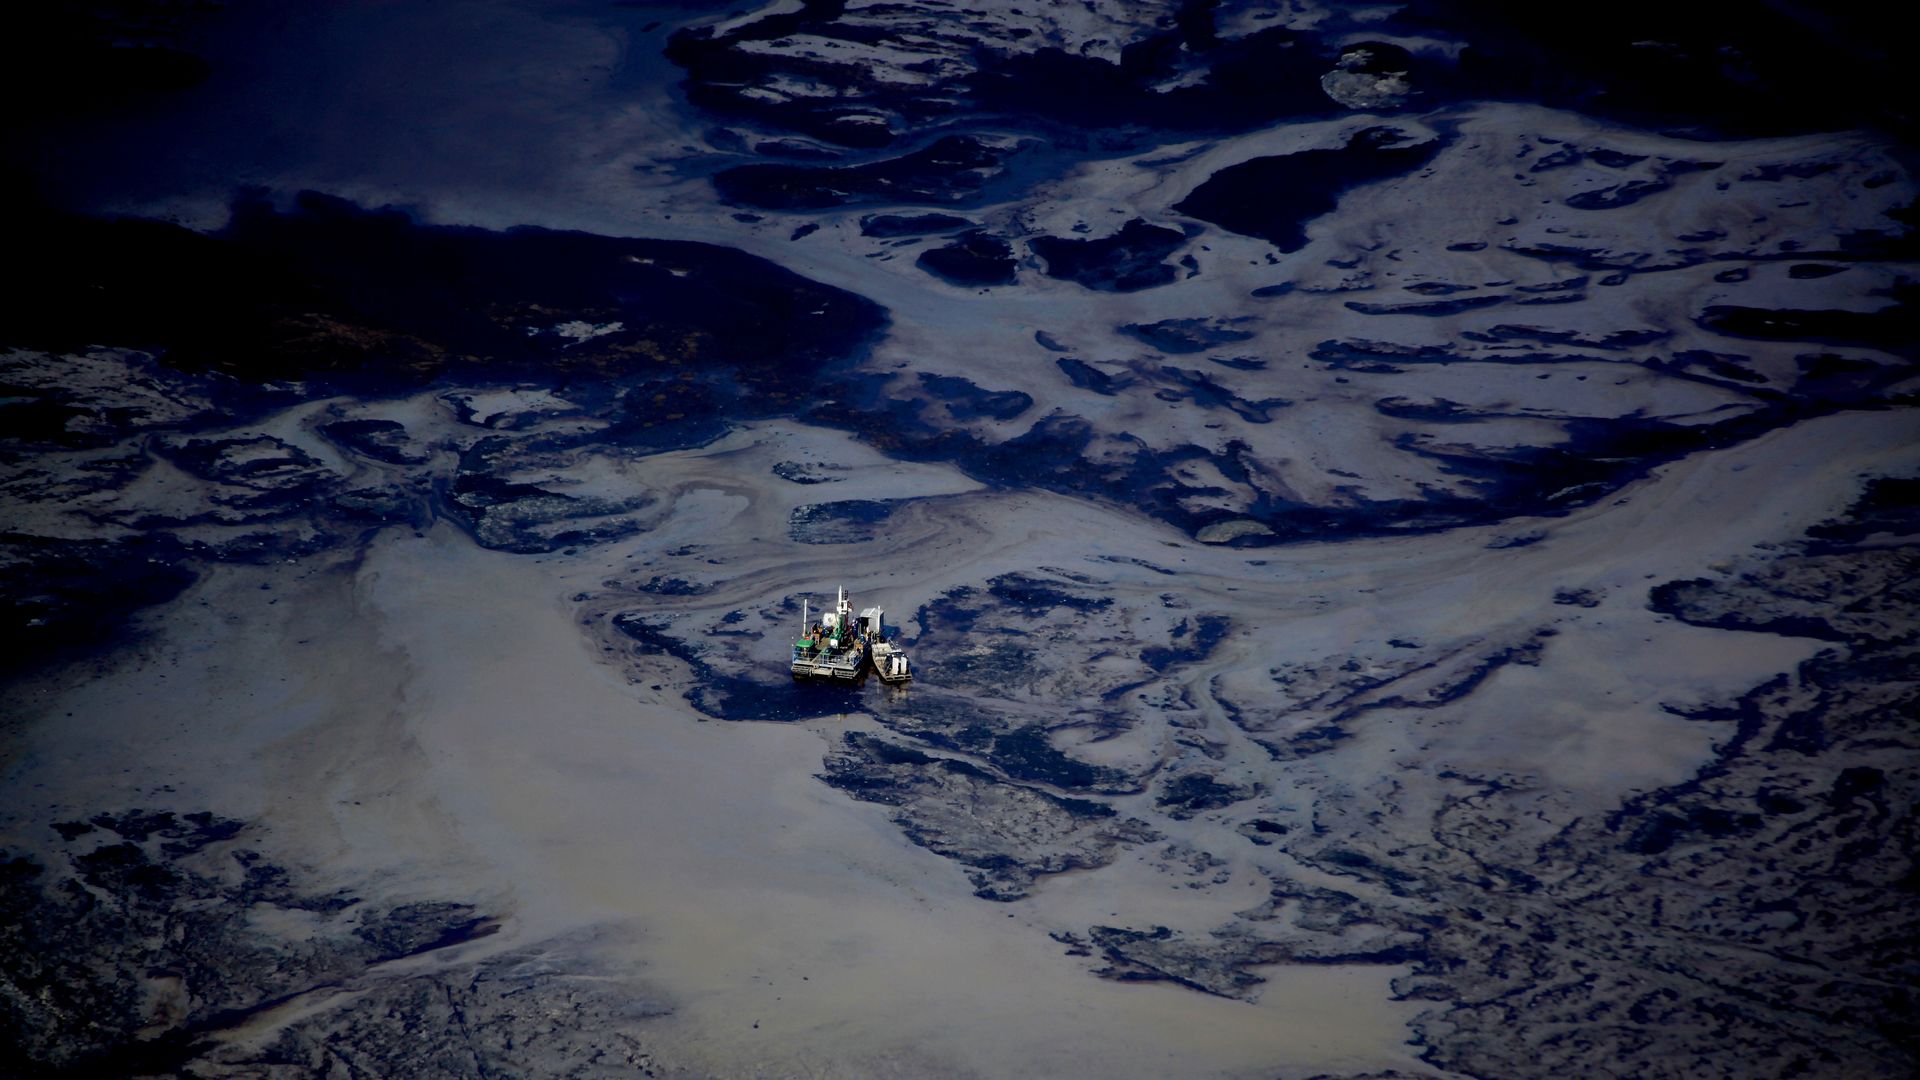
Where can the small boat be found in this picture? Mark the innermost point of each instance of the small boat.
(890, 663)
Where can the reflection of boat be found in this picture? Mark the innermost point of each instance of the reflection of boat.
(840, 646)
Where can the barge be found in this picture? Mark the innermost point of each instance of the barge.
(842, 646)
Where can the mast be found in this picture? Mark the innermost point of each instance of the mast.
(804, 624)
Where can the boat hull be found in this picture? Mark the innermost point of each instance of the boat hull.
(836, 670)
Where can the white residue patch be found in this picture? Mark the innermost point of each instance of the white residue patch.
(489, 408)
(580, 330)
(1223, 532)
